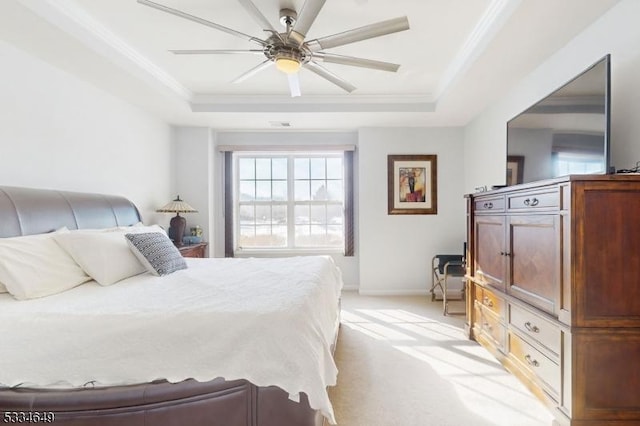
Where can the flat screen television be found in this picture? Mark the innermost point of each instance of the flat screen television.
(565, 133)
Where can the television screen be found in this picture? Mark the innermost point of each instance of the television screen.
(565, 133)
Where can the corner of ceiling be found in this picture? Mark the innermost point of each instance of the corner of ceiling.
(496, 15)
(69, 17)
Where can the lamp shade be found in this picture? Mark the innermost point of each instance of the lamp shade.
(177, 206)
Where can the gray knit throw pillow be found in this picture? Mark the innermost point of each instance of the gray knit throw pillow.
(156, 252)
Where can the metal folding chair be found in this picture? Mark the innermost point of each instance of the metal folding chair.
(443, 268)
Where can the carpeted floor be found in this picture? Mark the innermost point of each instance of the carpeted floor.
(402, 363)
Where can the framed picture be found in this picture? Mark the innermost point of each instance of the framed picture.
(515, 169)
(411, 184)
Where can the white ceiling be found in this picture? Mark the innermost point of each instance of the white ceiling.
(457, 57)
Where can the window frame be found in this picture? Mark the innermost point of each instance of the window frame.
(234, 249)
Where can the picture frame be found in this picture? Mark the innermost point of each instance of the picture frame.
(412, 184)
(515, 169)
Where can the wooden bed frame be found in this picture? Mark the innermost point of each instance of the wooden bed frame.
(26, 211)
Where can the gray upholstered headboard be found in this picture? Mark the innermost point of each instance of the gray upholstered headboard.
(27, 211)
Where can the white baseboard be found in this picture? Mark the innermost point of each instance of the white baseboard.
(394, 292)
(350, 288)
(453, 293)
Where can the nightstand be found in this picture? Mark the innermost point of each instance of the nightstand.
(193, 250)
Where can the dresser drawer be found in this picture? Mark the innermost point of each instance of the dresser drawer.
(477, 317)
(493, 328)
(535, 362)
(534, 200)
(489, 204)
(543, 331)
(490, 301)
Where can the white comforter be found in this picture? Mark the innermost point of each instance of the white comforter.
(270, 321)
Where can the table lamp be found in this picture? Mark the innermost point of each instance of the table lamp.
(178, 223)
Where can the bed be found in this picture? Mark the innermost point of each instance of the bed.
(229, 342)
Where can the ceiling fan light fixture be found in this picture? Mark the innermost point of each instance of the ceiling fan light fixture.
(287, 65)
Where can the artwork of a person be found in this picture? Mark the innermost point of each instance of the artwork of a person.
(412, 183)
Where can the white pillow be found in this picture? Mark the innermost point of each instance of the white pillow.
(104, 256)
(139, 228)
(36, 266)
(112, 228)
(3, 289)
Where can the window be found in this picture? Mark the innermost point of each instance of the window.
(576, 163)
(289, 201)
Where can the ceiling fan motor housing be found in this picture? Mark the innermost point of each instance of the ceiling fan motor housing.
(282, 48)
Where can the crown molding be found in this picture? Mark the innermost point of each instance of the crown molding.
(68, 16)
(497, 14)
(313, 103)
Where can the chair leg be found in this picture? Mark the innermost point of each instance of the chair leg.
(435, 282)
(444, 296)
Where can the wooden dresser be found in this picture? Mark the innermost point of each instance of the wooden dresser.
(554, 291)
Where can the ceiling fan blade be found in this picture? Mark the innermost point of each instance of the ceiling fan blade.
(307, 15)
(215, 51)
(358, 34)
(356, 62)
(328, 75)
(254, 70)
(200, 21)
(294, 84)
(257, 15)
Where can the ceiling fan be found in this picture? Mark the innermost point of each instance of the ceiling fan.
(289, 50)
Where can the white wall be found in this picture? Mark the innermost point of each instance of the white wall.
(396, 250)
(618, 33)
(59, 132)
(193, 163)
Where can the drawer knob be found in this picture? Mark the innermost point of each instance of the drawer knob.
(531, 202)
(532, 328)
(488, 205)
(487, 302)
(532, 362)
